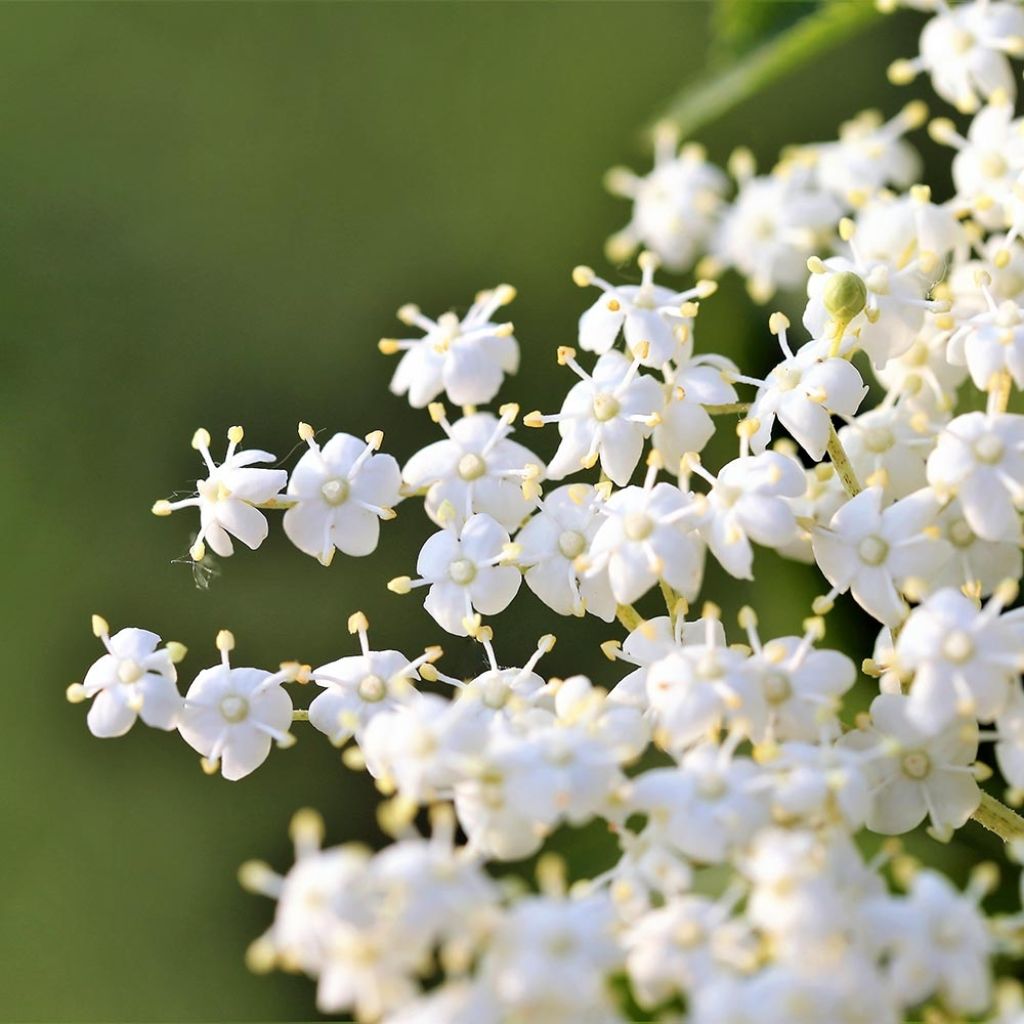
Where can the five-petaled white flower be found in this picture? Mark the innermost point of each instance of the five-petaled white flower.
(465, 358)
(228, 497)
(341, 492)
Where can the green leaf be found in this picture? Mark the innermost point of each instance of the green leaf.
(738, 26)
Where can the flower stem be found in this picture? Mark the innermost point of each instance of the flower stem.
(706, 100)
(837, 453)
(994, 815)
(728, 409)
(999, 394)
(628, 616)
(300, 715)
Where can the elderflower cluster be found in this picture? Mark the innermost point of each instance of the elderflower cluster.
(732, 777)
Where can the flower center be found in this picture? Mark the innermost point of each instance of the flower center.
(471, 467)
(234, 708)
(961, 40)
(572, 543)
(462, 571)
(916, 764)
(873, 550)
(993, 164)
(960, 534)
(688, 935)
(917, 354)
(777, 688)
(606, 406)
(878, 439)
(336, 490)
(494, 691)
(988, 449)
(712, 787)
(639, 526)
(786, 378)
(957, 646)
(371, 689)
(129, 671)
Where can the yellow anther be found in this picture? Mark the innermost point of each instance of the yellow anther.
(100, 626)
(306, 828)
(388, 346)
(688, 310)
(846, 229)
(547, 642)
(582, 276)
(357, 622)
(815, 265)
(706, 288)
(375, 438)
(564, 353)
(176, 651)
(778, 322)
(509, 411)
(408, 313)
(235, 434)
(306, 432)
(225, 641)
(504, 294)
(921, 193)
(437, 411)
(198, 551)
(201, 439)
(75, 693)
(400, 585)
(533, 419)
(209, 767)
(901, 72)
(747, 618)
(161, 508)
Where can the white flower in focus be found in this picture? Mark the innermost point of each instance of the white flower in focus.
(915, 775)
(646, 314)
(649, 534)
(870, 154)
(228, 497)
(341, 492)
(775, 222)
(504, 692)
(605, 416)
(888, 447)
(976, 565)
(747, 502)
(357, 688)
(476, 468)
(823, 496)
(873, 552)
(965, 661)
(965, 48)
(675, 206)
(232, 715)
(133, 679)
(465, 358)
(467, 574)
(556, 544)
(991, 344)
(979, 459)
(803, 392)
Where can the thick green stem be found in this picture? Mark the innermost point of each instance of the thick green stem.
(997, 817)
(706, 100)
(727, 409)
(628, 616)
(837, 453)
(300, 715)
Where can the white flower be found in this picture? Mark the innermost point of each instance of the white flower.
(747, 502)
(357, 688)
(802, 687)
(869, 154)
(915, 775)
(647, 314)
(988, 161)
(888, 447)
(341, 492)
(804, 391)
(648, 534)
(606, 416)
(556, 544)
(823, 496)
(132, 679)
(991, 344)
(228, 496)
(775, 222)
(979, 459)
(964, 661)
(818, 785)
(231, 715)
(467, 359)
(922, 377)
(693, 382)
(503, 692)
(680, 947)
(549, 959)
(965, 50)
(973, 563)
(467, 575)
(476, 468)
(1010, 743)
(674, 206)
(706, 807)
(936, 943)
(873, 552)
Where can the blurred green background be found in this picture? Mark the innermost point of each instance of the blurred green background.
(210, 213)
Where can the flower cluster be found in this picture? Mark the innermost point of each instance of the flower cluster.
(728, 769)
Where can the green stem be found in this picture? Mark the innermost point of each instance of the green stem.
(300, 715)
(999, 393)
(628, 616)
(728, 409)
(837, 453)
(994, 815)
(708, 99)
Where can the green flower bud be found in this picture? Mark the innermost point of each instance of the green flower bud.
(845, 296)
